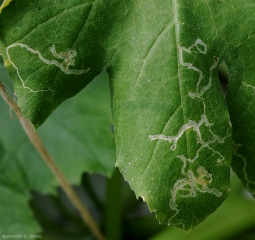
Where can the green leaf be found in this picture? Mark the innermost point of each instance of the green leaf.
(173, 133)
(240, 98)
(172, 124)
(52, 50)
(175, 101)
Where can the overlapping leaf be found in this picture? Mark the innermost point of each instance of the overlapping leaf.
(172, 126)
(52, 51)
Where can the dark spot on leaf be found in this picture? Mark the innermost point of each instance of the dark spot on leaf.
(215, 59)
(223, 76)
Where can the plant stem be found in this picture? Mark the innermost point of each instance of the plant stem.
(113, 207)
(36, 141)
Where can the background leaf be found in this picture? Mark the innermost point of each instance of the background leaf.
(16, 216)
(78, 136)
(240, 97)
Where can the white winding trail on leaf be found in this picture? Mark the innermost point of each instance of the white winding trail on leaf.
(236, 148)
(248, 181)
(67, 58)
(190, 184)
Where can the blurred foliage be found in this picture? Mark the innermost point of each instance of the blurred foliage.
(233, 220)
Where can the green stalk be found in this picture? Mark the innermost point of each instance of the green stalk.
(113, 213)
